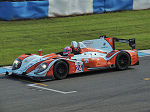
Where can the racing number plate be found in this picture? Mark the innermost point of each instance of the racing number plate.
(78, 67)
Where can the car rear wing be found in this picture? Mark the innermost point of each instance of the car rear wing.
(131, 41)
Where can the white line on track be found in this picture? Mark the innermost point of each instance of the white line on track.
(44, 88)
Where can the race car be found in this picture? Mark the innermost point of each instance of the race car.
(82, 56)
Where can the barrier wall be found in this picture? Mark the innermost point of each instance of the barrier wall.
(55, 8)
(141, 4)
(23, 10)
(69, 7)
(116, 5)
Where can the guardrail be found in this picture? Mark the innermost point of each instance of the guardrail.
(54, 8)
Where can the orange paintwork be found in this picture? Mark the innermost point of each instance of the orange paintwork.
(70, 55)
(92, 62)
(95, 62)
(23, 56)
(134, 56)
(111, 53)
(48, 55)
(33, 67)
(54, 56)
(71, 67)
(48, 61)
(40, 52)
(110, 41)
(50, 72)
(112, 60)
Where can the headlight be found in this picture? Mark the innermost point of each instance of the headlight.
(41, 68)
(17, 64)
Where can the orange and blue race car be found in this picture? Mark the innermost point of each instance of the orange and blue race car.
(82, 56)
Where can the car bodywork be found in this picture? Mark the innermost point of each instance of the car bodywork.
(86, 56)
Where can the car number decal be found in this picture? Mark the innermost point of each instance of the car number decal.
(79, 67)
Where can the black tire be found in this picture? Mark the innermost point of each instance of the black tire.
(60, 70)
(123, 60)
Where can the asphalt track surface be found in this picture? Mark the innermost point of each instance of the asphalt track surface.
(100, 91)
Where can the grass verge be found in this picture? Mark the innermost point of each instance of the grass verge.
(53, 34)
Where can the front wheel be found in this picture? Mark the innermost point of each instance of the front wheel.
(60, 70)
(123, 60)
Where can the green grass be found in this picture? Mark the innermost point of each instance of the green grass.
(53, 34)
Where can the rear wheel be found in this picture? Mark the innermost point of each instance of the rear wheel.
(60, 70)
(123, 60)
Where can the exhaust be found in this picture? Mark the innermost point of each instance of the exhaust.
(112, 66)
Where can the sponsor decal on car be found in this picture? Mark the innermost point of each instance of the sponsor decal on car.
(78, 67)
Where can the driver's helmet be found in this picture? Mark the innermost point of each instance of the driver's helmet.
(67, 50)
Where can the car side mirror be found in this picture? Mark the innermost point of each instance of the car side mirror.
(40, 52)
(70, 55)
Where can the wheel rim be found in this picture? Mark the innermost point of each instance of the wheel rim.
(123, 61)
(61, 70)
